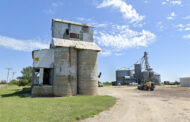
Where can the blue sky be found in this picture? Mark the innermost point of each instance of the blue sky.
(124, 29)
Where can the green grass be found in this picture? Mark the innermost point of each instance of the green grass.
(15, 106)
(107, 84)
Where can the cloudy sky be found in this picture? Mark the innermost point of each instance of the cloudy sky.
(124, 29)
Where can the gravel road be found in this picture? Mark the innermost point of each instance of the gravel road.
(165, 104)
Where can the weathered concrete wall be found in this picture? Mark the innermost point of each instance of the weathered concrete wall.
(42, 91)
(43, 58)
(185, 82)
(87, 72)
(65, 72)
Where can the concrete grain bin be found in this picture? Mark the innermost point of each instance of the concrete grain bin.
(65, 72)
(185, 82)
(87, 72)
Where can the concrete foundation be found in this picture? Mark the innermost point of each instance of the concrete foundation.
(42, 91)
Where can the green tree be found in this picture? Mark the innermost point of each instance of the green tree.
(26, 78)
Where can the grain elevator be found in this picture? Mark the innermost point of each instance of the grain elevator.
(69, 66)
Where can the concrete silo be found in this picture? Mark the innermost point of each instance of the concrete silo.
(87, 72)
(65, 72)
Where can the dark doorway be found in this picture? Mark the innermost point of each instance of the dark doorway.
(46, 77)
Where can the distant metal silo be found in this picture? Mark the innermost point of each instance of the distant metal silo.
(157, 79)
(145, 75)
(121, 73)
(185, 82)
(87, 72)
(65, 72)
(138, 69)
(151, 75)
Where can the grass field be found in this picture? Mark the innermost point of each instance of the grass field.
(17, 106)
(107, 84)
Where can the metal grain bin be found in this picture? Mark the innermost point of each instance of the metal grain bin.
(121, 73)
(151, 75)
(65, 72)
(185, 82)
(87, 72)
(145, 75)
(157, 79)
(138, 69)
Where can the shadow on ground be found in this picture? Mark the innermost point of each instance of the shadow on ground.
(25, 92)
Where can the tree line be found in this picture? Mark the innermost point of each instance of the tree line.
(23, 80)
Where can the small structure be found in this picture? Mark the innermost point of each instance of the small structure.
(69, 67)
(185, 82)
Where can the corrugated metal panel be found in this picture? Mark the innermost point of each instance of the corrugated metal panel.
(76, 44)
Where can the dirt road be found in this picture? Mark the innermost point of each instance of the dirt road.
(165, 104)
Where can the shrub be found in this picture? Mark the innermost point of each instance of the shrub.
(3, 82)
(14, 82)
(23, 82)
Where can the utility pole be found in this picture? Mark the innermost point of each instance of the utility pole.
(13, 75)
(8, 70)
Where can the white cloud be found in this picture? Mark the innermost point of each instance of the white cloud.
(163, 3)
(121, 37)
(146, 1)
(171, 16)
(172, 2)
(187, 17)
(126, 9)
(176, 2)
(105, 52)
(53, 7)
(21, 45)
(186, 36)
(160, 26)
(182, 27)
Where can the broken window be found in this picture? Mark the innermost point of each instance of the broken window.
(36, 76)
(74, 35)
(67, 32)
(85, 29)
(43, 76)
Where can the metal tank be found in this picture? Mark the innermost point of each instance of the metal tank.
(157, 79)
(151, 75)
(145, 75)
(185, 82)
(87, 72)
(138, 69)
(121, 73)
(65, 72)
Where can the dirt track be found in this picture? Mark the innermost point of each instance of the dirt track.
(165, 104)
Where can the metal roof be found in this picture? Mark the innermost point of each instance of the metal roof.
(70, 22)
(124, 68)
(57, 42)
